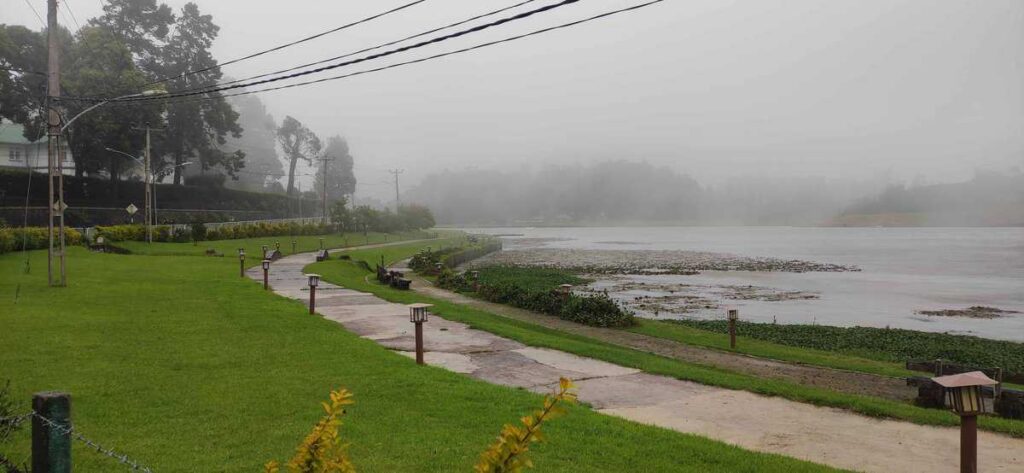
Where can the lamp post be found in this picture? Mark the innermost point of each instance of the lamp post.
(241, 262)
(418, 315)
(321, 243)
(265, 249)
(150, 182)
(314, 281)
(565, 290)
(733, 316)
(266, 274)
(963, 395)
(293, 247)
(277, 247)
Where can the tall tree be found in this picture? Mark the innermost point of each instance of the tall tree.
(340, 179)
(298, 143)
(263, 167)
(196, 128)
(100, 65)
(142, 25)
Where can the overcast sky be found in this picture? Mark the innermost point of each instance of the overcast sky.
(905, 89)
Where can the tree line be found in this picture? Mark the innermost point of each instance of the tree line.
(139, 45)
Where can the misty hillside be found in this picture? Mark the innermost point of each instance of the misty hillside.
(987, 200)
(623, 192)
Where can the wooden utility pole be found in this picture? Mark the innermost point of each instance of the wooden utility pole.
(325, 159)
(150, 215)
(396, 172)
(55, 162)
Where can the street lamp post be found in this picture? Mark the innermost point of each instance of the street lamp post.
(151, 185)
(963, 395)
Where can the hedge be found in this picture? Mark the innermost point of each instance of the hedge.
(227, 232)
(34, 238)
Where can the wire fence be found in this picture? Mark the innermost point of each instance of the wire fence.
(9, 424)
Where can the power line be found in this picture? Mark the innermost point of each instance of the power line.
(67, 6)
(390, 52)
(29, 3)
(353, 53)
(413, 61)
(293, 43)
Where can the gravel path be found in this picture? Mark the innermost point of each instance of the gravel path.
(823, 435)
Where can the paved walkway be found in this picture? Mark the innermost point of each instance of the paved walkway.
(823, 435)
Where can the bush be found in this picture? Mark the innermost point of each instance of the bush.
(227, 232)
(198, 231)
(34, 238)
(535, 289)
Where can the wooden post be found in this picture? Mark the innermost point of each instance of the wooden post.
(51, 446)
(419, 343)
(733, 315)
(969, 444)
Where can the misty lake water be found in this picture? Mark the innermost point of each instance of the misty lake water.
(903, 271)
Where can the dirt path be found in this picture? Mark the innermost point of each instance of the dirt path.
(836, 380)
(823, 435)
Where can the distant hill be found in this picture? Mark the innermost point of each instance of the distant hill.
(986, 200)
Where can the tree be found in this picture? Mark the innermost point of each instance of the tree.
(263, 166)
(99, 65)
(364, 218)
(415, 217)
(341, 216)
(142, 26)
(298, 143)
(340, 179)
(197, 128)
(22, 53)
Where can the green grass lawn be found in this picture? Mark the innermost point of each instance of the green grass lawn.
(183, 366)
(349, 274)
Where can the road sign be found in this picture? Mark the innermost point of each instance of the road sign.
(59, 206)
(132, 209)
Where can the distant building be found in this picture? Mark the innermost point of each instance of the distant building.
(18, 152)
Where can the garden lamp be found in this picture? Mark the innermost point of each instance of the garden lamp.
(241, 262)
(314, 281)
(963, 396)
(265, 249)
(266, 272)
(418, 315)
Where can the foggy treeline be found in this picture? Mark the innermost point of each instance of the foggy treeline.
(624, 192)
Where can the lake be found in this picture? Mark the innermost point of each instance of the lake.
(903, 271)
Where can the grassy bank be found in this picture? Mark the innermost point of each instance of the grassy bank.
(183, 366)
(253, 246)
(351, 275)
(889, 345)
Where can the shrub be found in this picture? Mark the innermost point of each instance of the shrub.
(34, 238)
(597, 310)
(165, 233)
(198, 231)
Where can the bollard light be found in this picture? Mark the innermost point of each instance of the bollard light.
(241, 262)
(418, 315)
(293, 247)
(732, 315)
(438, 267)
(266, 272)
(565, 288)
(475, 275)
(314, 281)
(963, 396)
(321, 243)
(277, 246)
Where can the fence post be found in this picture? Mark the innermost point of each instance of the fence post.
(51, 447)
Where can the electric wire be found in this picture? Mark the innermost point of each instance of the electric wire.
(41, 22)
(436, 56)
(371, 48)
(67, 6)
(289, 44)
(390, 52)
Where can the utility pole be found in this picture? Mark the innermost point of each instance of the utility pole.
(323, 215)
(55, 162)
(396, 172)
(147, 165)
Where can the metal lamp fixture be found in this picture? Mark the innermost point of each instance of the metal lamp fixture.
(733, 316)
(313, 279)
(266, 265)
(241, 262)
(964, 397)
